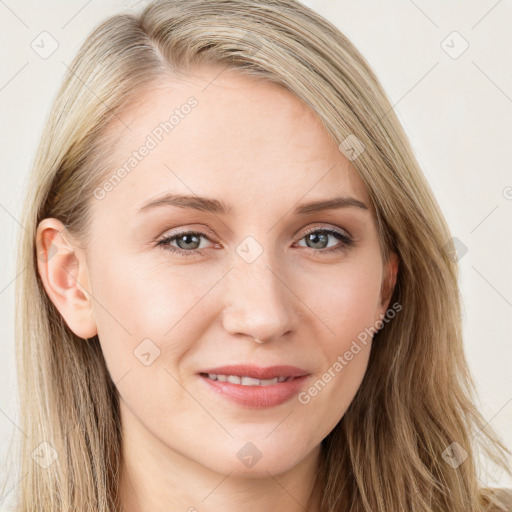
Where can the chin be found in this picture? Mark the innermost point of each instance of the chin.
(260, 469)
(254, 459)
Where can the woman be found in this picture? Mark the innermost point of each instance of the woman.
(305, 351)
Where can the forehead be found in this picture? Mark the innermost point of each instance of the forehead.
(222, 134)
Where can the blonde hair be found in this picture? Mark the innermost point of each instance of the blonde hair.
(416, 399)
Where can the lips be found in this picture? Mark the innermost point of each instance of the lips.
(257, 372)
(255, 387)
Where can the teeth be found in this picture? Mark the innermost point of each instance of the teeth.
(249, 381)
(246, 381)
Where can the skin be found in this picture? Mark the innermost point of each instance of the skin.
(258, 148)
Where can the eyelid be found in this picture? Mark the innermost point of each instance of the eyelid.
(323, 227)
(203, 230)
(209, 232)
(343, 236)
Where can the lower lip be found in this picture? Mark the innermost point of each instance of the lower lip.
(257, 397)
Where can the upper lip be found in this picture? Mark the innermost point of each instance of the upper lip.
(257, 372)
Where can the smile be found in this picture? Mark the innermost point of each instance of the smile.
(245, 380)
(253, 386)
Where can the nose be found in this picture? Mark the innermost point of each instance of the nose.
(259, 301)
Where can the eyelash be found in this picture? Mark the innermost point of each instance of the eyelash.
(346, 241)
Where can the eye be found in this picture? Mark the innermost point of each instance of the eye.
(188, 243)
(319, 239)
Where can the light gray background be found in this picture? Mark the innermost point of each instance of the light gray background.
(457, 112)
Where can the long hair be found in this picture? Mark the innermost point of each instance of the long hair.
(417, 397)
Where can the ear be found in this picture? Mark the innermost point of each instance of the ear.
(388, 280)
(62, 267)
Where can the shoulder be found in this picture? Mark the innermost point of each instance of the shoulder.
(497, 499)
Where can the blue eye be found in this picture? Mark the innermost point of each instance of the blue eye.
(189, 242)
(319, 236)
(185, 239)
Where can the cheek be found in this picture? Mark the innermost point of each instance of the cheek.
(347, 304)
(146, 321)
(353, 310)
(137, 300)
(346, 298)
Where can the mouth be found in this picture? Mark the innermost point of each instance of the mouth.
(255, 387)
(245, 380)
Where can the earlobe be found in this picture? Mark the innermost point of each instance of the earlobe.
(63, 272)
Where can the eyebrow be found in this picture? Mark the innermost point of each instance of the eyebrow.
(220, 207)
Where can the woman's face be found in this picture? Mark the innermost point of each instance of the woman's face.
(268, 287)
